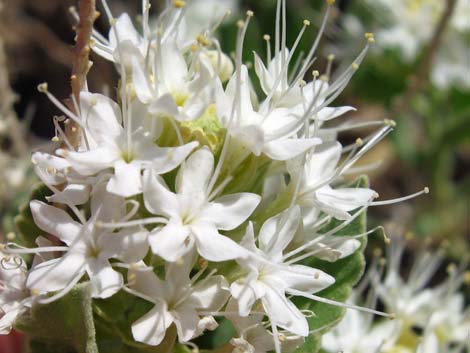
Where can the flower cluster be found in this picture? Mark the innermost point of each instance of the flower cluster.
(427, 319)
(190, 192)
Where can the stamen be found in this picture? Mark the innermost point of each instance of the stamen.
(138, 222)
(401, 199)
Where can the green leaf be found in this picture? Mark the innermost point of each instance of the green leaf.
(65, 325)
(347, 273)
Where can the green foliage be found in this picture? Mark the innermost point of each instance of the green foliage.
(65, 325)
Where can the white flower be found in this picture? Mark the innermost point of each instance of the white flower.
(193, 218)
(88, 248)
(269, 279)
(316, 195)
(15, 298)
(355, 334)
(127, 150)
(176, 92)
(273, 133)
(177, 300)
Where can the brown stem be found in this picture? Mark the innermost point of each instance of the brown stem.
(418, 81)
(81, 63)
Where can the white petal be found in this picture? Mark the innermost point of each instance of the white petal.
(126, 180)
(49, 168)
(322, 163)
(129, 245)
(151, 327)
(55, 221)
(105, 281)
(92, 161)
(277, 232)
(145, 281)
(265, 78)
(195, 174)
(170, 242)
(345, 199)
(125, 30)
(285, 149)
(164, 105)
(213, 246)
(157, 198)
(210, 295)
(329, 113)
(56, 274)
(175, 70)
(229, 211)
(284, 313)
(168, 158)
(186, 321)
(102, 116)
(77, 194)
(304, 278)
(141, 81)
(246, 293)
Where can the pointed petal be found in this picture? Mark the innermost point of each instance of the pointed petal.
(168, 158)
(56, 274)
(77, 194)
(322, 163)
(157, 198)
(151, 327)
(284, 313)
(55, 221)
(102, 116)
(229, 211)
(141, 81)
(126, 180)
(195, 174)
(329, 113)
(213, 246)
(304, 278)
(285, 149)
(92, 161)
(171, 242)
(345, 199)
(164, 105)
(129, 245)
(277, 232)
(186, 321)
(145, 281)
(210, 295)
(105, 281)
(246, 294)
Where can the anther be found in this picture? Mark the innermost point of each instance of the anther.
(55, 139)
(355, 66)
(43, 87)
(203, 263)
(202, 40)
(330, 2)
(11, 236)
(426, 190)
(73, 77)
(370, 37)
(267, 37)
(315, 73)
(376, 195)
(466, 278)
(240, 23)
(302, 83)
(112, 22)
(377, 252)
(179, 3)
(392, 316)
(451, 269)
(383, 262)
(324, 78)
(34, 292)
(250, 13)
(307, 23)
(359, 141)
(282, 337)
(331, 57)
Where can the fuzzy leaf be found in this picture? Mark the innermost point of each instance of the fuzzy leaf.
(65, 325)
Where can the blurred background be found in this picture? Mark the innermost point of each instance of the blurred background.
(417, 73)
